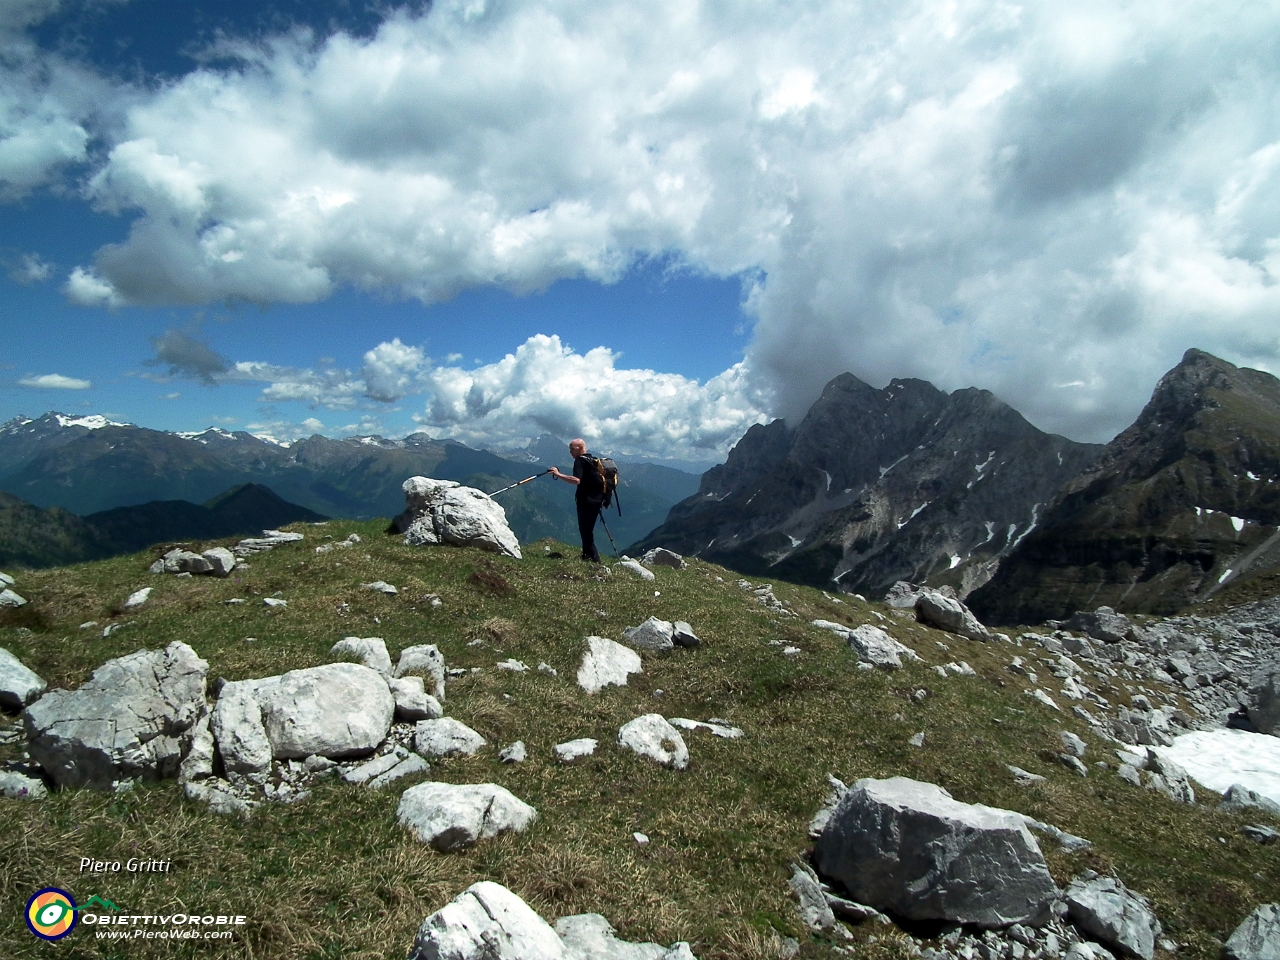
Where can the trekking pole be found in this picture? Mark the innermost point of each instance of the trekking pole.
(525, 480)
(607, 533)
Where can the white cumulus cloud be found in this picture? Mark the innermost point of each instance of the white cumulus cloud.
(392, 371)
(54, 381)
(546, 387)
(975, 192)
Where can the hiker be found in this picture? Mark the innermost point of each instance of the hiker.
(589, 497)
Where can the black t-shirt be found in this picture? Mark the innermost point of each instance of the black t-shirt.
(591, 485)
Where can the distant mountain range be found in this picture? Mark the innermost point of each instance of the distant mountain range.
(33, 537)
(92, 465)
(910, 483)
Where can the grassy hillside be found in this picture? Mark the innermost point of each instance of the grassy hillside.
(334, 876)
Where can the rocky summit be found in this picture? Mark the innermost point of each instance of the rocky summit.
(1182, 504)
(876, 486)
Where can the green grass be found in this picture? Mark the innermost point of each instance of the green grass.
(336, 877)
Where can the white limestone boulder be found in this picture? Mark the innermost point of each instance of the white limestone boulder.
(634, 566)
(589, 936)
(874, 646)
(137, 598)
(572, 750)
(947, 613)
(370, 651)
(444, 511)
(241, 739)
(424, 660)
(445, 737)
(606, 663)
(489, 922)
(1121, 919)
(19, 684)
(335, 710)
(19, 786)
(652, 737)
(486, 922)
(10, 599)
(1257, 937)
(413, 703)
(451, 816)
(221, 561)
(132, 718)
(908, 848)
(182, 561)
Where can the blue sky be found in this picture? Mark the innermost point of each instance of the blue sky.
(649, 224)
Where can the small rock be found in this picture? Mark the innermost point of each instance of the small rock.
(1072, 744)
(10, 599)
(513, 666)
(815, 912)
(18, 786)
(717, 728)
(652, 737)
(381, 586)
(409, 765)
(19, 685)
(917, 740)
(375, 767)
(683, 636)
(423, 659)
(221, 561)
(636, 568)
(452, 816)
(1044, 698)
(947, 613)
(219, 797)
(513, 753)
(639, 837)
(137, 598)
(370, 651)
(662, 557)
(1024, 777)
(1238, 797)
(574, 749)
(1072, 762)
(653, 634)
(1129, 773)
(413, 703)
(605, 663)
(445, 737)
(1260, 833)
(274, 602)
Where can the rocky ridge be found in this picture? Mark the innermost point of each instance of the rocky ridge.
(1183, 503)
(875, 486)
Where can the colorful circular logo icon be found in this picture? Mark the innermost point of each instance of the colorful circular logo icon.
(51, 913)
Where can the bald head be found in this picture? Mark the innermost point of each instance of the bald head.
(577, 447)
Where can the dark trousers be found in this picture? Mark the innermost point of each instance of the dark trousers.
(587, 514)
